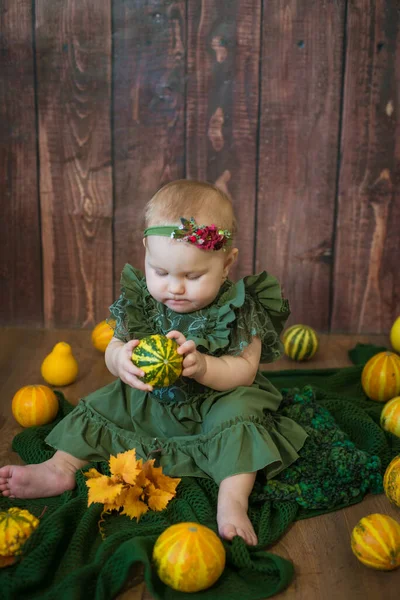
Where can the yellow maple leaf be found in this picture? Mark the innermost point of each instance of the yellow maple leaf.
(92, 473)
(103, 489)
(160, 481)
(157, 499)
(141, 479)
(126, 466)
(118, 501)
(130, 486)
(133, 506)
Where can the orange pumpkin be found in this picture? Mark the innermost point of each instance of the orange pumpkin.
(390, 416)
(189, 557)
(102, 334)
(391, 481)
(34, 405)
(375, 541)
(380, 378)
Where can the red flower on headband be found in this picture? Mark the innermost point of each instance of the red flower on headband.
(205, 237)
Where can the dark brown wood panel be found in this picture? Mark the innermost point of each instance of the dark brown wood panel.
(366, 274)
(302, 51)
(253, 96)
(74, 93)
(222, 106)
(325, 566)
(149, 86)
(20, 256)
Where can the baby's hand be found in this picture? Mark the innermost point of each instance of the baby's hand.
(127, 371)
(194, 363)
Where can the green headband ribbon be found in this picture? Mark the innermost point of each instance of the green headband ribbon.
(166, 230)
(205, 237)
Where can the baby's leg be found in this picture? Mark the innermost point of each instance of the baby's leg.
(233, 500)
(50, 478)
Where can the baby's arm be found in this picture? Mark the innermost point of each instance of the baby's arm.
(221, 373)
(119, 363)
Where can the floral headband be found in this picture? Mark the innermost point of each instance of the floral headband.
(205, 237)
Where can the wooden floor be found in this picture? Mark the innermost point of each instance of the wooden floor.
(319, 548)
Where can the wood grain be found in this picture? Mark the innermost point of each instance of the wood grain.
(324, 563)
(251, 95)
(366, 283)
(319, 547)
(148, 115)
(222, 107)
(20, 257)
(74, 74)
(299, 124)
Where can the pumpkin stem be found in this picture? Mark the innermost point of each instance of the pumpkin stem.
(43, 511)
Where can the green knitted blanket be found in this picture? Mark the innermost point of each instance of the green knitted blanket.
(344, 458)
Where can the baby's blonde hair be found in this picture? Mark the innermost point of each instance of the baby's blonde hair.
(203, 201)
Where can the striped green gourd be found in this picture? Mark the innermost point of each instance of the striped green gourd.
(300, 342)
(157, 357)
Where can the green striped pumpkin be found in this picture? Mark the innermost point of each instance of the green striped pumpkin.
(375, 541)
(300, 342)
(391, 481)
(157, 357)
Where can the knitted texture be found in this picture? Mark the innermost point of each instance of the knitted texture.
(343, 458)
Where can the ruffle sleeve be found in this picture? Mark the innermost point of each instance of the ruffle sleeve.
(263, 314)
(214, 331)
(130, 311)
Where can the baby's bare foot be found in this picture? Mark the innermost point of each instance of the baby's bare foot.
(36, 481)
(233, 520)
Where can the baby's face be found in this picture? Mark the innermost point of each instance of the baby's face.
(183, 277)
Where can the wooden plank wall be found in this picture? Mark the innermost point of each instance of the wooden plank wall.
(21, 299)
(302, 59)
(366, 288)
(290, 106)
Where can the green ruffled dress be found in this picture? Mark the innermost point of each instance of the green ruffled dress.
(191, 429)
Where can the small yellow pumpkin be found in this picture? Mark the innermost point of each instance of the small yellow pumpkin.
(395, 335)
(375, 541)
(391, 481)
(189, 557)
(380, 377)
(16, 525)
(60, 367)
(34, 405)
(390, 416)
(102, 334)
(300, 342)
